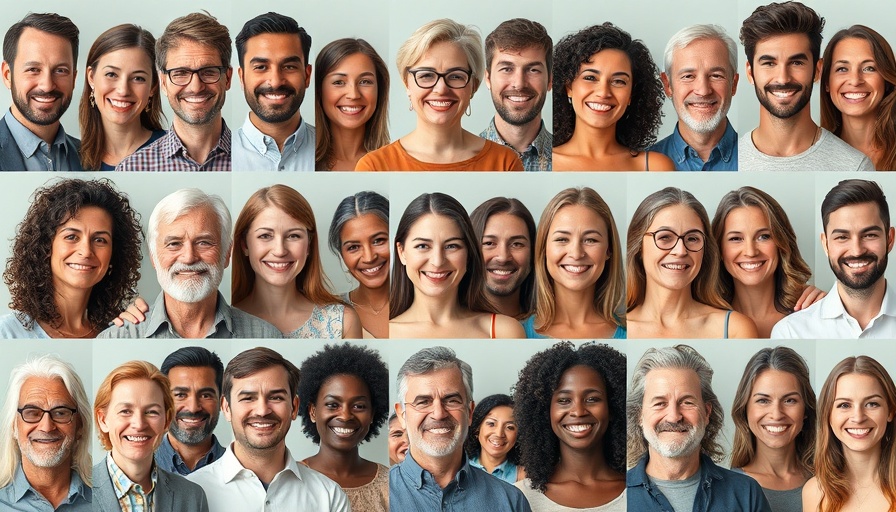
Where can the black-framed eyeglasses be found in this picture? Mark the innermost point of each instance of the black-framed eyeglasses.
(666, 239)
(454, 78)
(183, 76)
(61, 415)
(427, 404)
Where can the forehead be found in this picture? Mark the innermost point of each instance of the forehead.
(36, 44)
(783, 45)
(580, 377)
(506, 223)
(356, 63)
(192, 376)
(199, 219)
(433, 226)
(274, 46)
(273, 217)
(526, 55)
(859, 215)
(133, 57)
(857, 385)
(272, 377)
(578, 216)
(708, 51)
(137, 391)
(186, 52)
(671, 381)
(445, 381)
(364, 225)
(746, 216)
(443, 54)
(853, 48)
(609, 60)
(775, 381)
(41, 390)
(677, 215)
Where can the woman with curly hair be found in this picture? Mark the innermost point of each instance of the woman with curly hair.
(610, 109)
(344, 400)
(75, 261)
(774, 426)
(492, 444)
(570, 409)
(855, 454)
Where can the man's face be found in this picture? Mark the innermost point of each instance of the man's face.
(438, 422)
(274, 76)
(42, 77)
(189, 259)
(398, 442)
(857, 244)
(261, 408)
(673, 414)
(701, 84)
(519, 83)
(783, 74)
(196, 103)
(46, 444)
(195, 403)
(507, 251)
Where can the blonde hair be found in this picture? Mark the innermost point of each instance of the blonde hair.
(466, 37)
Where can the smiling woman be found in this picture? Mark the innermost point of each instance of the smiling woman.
(493, 443)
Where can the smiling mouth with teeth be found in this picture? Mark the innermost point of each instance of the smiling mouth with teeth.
(858, 431)
(350, 110)
(278, 265)
(599, 107)
(78, 266)
(855, 95)
(435, 275)
(578, 429)
(575, 269)
(675, 266)
(776, 429)
(372, 270)
(137, 439)
(748, 266)
(341, 431)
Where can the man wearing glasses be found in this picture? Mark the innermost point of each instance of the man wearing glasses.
(193, 55)
(435, 406)
(50, 455)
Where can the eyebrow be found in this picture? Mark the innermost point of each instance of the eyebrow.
(796, 56)
(456, 68)
(586, 232)
(869, 397)
(869, 229)
(844, 61)
(797, 393)
(290, 230)
(265, 60)
(129, 404)
(514, 237)
(452, 239)
(76, 230)
(116, 68)
(352, 398)
(713, 69)
(252, 392)
(587, 390)
(597, 72)
(339, 73)
(200, 390)
(375, 235)
(527, 64)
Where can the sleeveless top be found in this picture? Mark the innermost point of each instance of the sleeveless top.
(364, 332)
(532, 334)
(727, 316)
(325, 322)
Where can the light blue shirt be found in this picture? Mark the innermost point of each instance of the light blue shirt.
(37, 154)
(506, 470)
(255, 151)
(19, 496)
(11, 328)
(723, 157)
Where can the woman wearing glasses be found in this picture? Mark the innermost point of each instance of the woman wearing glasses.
(671, 292)
(442, 65)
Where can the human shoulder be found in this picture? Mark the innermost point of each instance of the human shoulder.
(250, 326)
(840, 155)
(391, 157)
(812, 494)
(190, 495)
(741, 326)
(658, 161)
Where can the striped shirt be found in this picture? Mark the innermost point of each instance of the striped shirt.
(130, 494)
(169, 154)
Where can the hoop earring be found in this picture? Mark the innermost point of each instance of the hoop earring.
(92, 100)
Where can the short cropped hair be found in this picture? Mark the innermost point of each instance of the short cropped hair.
(197, 27)
(688, 35)
(254, 360)
(776, 19)
(50, 23)
(466, 37)
(132, 370)
(195, 357)
(271, 23)
(429, 360)
(516, 35)
(850, 192)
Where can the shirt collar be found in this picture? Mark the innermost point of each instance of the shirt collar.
(231, 468)
(158, 316)
(417, 475)
(542, 144)
(832, 304)
(262, 142)
(637, 476)
(726, 146)
(27, 141)
(21, 486)
(167, 451)
(500, 469)
(170, 144)
(120, 481)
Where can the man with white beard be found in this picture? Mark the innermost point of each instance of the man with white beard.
(44, 446)
(673, 420)
(189, 244)
(435, 408)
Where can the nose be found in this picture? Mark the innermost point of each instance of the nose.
(578, 408)
(783, 74)
(679, 248)
(856, 77)
(188, 253)
(858, 414)
(777, 411)
(84, 247)
(701, 85)
(191, 403)
(518, 78)
(750, 247)
(45, 81)
(138, 420)
(673, 413)
(438, 410)
(602, 88)
(195, 84)
(345, 412)
(279, 248)
(576, 249)
(502, 253)
(353, 91)
(46, 424)
(367, 253)
(437, 256)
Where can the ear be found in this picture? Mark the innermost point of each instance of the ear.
(229, 76)
(750, 74)
(7, 72)
(225, 408)
(734, 84)
(239, 73)
(312, 412)
(229, 254)
(890, 238)
(666, 85)
(307, 75)
(399, 413)
(101, 421)
(818, 67)
(708, 410)
(470, 413)
(295, 407)
(824, 243)
(90, 72)
(550, 83)
(245, 247)
(399, 248)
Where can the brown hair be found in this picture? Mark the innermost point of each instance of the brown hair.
(198, 27)
(254, 360)
(517, 35)
(784, 18)
(132, 370)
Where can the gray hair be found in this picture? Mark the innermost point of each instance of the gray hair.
(45, 367)
(353, 207)
(429, 360)
(178, 203)
(688, 35)
(680, 357)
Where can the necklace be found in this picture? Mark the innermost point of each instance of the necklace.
(89, 334)
(372, 309)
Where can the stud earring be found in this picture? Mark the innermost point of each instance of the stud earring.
(569, 99)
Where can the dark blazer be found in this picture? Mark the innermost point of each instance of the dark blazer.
(173, 493)
(11, 157)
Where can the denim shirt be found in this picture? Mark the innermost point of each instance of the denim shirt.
(19, 496)
(169, 460)
(723, 157)
(720, 490)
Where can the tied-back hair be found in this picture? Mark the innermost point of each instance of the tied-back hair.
(472, 446)
(782, 359)
(830, 463)
(885, 124)
(376, 130)
(351, 208)
(792, 272)
(704, 288)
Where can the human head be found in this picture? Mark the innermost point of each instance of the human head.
(398, 440)
(443, 30)
(638, 128)
(850, 192)
(792, 272)
(50, 368)
(197, 27)
(429, 360)
(271, 23)
(685, 359)
(353, 207)
(782, 359)
(28, 273)
(518, 34)
(50, 23)
(472, 445)
(188, 364)
(251, 361)
(533, 393)
(776, 19)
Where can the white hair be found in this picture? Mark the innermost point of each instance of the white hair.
(179, 203)
(688, 35)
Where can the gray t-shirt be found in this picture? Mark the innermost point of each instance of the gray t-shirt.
(680, 493)
(782, 501)
(828, 154)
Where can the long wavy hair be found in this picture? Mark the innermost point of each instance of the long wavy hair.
(472, 446)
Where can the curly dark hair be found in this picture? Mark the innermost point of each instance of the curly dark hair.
(483, 407)
(638, 127)
(28, 274)
(345, 359)
(540, 448)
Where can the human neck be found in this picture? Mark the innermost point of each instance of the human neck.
(506, 304)
(754, 301)
(776, 461)
(520, 137)
(277, 131)
(678, 468)
(346, 145)
(46, 133)
(441, 310)
(703, 143)
(264, 463)
(339, 463)
(71, 304)
(139, 472)
(443, 469)
(859, 133)
(863, 305)
(191, 453)
(371, 297)
(122, 140)
(192, 319)
(199, 140)
(785, 137)
(594, 142)
(51, 483)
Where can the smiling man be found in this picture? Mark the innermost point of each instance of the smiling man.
(257, 472)
(857, 239)
(783, 47)
(435, 408)
(673, 420)
(40, 55)
(274, 72)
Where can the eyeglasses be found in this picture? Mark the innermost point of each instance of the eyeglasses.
(61, 415)
(454, 78)
(183, 76)
(428, 404)
(666, 239)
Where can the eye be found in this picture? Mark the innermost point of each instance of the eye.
(843, 405)
(519, 245)
(260, 67)
(100, 240)
(594, 399)
(337, 83)
(454, 246)
(124, 412)
(869, 69)
(718, 76)
(506, 69)
(367, 81)
(422, 403)
(296, 236)
(763, 401)
(686, 78)
(764, 237)
(331, 405)
(421, 246)
(792, 401)
(111, 74)
(591, 241)
(264, 236)
(563, 400)
(426, 75)
(208, 396)
(180, 396)
(735, 239)
(62, 71)
(139, 79)
(454, 401)
(871, 236)
(380, 241)
(872, 405)
(490, 423)
(561, 239)
(153, 412)
(840, 69)
(352, 247)
(664, 236)
(489, 244)
(619, 82)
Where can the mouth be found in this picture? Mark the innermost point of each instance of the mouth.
(137, 439)
(343, 432)
(350, 110)
(497, 443)
(192, 423)
(751, 266)
(598, 107)
(858, 432)
(262, 426)
(79, 267)
(676, 267)
(783, 91)
(702, 105)
(576, 269)
(581, 428)
(441, 105)
(437, 277)
(372, 270)
(196, 99)
(503, 273)
(776, 429)
(440, 431)
(45, 98)
(856, 264)
(120, 105)
(278, 266)
(518, 99)
(855, 96)
(46, 440)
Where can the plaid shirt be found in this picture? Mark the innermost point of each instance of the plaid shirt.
(130, 495)
(537, 157)
(169, 154)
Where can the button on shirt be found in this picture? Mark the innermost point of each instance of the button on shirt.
(231, 487)
(413, 488)
(38, 155)
(131, 495)
(19, 496)
(255, 151)
(828, 319)
(537, 157)
(170, 154)
(169, 460)
(723, 157)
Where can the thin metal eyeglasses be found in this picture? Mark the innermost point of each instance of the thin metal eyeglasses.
(666, 239)
(61, 415)
(451, 403)
(183, 76)
(457, 78)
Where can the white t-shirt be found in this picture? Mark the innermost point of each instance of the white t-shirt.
(829, 153)
(828, 319)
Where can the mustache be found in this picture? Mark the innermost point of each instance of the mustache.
(193, 415)
(524, 91)
(870, 258)
(783, 87)
(429, 425)
(54, 94)
(668, 426)
(283, 89)
(261, 419)
(199, 266)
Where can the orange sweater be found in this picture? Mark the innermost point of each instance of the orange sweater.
(393, 157)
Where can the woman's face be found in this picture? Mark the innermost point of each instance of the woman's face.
(440, 105)
(749, 253)
(855, 84)
(122, 85)
(135, 421)
(277, 246)
(365, 250)
(602, 89)
(434, 254)
(81, 250)
(497, 433)
(580, 411)
(776, 409)
(349, 92)
(577, 248)
(342, 412)
(677, 267)
(860, 414)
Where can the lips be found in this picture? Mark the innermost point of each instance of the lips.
(195, 99)
(80, 267)
(677, 267)
(751, 266)
(278, 266)
(503, 273)
(776, 429)
(120, 105)
(581, 428)
(436, 277)
(372, 270)
(350, 110)
(343, 431)
(576, 269)
(440, 105)
(45, 97)
(858, 432)
(275, 94)
(191, 420)
(137, 439)
(855, 96)
(598, 107)
(783, 91)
